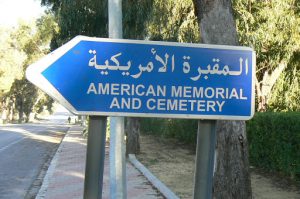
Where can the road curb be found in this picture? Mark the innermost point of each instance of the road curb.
(50, 188)
(162, 188)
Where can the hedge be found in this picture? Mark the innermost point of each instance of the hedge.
(182, 129)
(274, 142)
(274, 138)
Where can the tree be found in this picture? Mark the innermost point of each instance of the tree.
(30, 41)
(24, 94)
(132, 130)
(276, 40)
(136, 14)
(232, 177)
(80, 17)
(11, 60)
(173, 20)
(286, 92)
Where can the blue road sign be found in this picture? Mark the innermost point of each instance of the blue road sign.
(95, 76)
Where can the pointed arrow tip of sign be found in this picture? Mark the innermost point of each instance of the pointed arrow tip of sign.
(30, 73)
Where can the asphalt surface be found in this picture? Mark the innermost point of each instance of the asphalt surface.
(25, 153)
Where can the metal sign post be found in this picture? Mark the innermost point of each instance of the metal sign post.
(205, 152)
(117, 168)
(117, 160)
(95, 155)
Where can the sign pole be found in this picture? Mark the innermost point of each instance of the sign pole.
(95, 155)
(118, 188)
(205, 153)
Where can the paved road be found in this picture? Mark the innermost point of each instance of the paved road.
(25, 152)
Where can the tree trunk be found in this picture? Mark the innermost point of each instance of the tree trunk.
(264, 87)
(20, 109)
(232, 176)
(133, 135)
(12, 112)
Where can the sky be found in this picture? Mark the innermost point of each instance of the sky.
(11, 11)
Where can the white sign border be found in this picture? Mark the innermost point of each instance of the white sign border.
(34, 75)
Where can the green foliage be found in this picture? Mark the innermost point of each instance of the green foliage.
(11, 60)
(43, 101)
(272, 29)
(181, 129)
(286, 92)
(21, 47)
(24, 94)
(90, 18)
(149, 19)
(274, 142)
(80, 17)
(274, 138)
(153, 126)
(173, 20)
(136, 15)
(108, 128)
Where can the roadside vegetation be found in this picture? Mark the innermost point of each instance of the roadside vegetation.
(273, 133)
(269, 27)
(21, 46)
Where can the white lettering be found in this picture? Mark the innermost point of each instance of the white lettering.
(241, 95)
(115, 103)
(192, 104)
(125, 88)
(187, 91)
(176, 91)
(92, 88)
(152, 105)
(161, 104)
(103, 91)
(137, 90)
(209, 93)
(115, 89)
(220, 93)
(220, 105)
(201, 105)
(172, 105)
(150, 91)
(211, 105)
(182, 105)
(198, 92)
(234, 94)
(161, 91)
(136, 103)
(125, 103)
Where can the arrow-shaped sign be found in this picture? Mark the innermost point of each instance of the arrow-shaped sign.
(95, 76)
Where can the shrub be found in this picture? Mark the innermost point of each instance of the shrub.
(274, 142)
(182, 129)
(274, 138)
